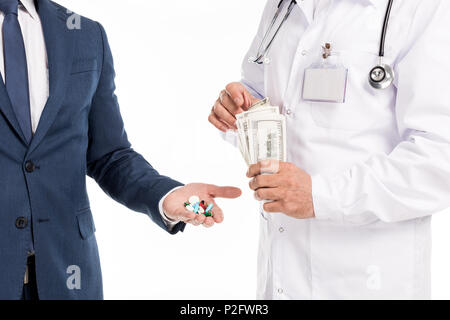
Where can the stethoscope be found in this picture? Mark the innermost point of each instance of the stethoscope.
(380, 76)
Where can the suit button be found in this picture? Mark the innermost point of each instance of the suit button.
(21, 223)
(29, 166)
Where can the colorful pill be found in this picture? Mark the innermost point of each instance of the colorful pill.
(194, 199)
(196, 207)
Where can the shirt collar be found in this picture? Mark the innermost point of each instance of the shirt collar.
(30, 8)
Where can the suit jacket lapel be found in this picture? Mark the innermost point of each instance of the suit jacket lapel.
(7, 109)
(59, 41)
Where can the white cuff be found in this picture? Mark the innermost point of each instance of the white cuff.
(326, 207)
(168, 222)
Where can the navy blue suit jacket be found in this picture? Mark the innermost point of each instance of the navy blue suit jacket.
(80, 133)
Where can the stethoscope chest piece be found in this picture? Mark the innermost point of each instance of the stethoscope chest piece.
(381, 76)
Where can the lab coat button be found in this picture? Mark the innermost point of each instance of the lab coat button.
(21, 223)
(280, 291)
(281, 230)
(29, 166)
(304, 53)
(288, 112)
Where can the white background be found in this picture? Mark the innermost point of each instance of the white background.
(172, 58)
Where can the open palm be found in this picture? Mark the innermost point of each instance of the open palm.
(174, 208)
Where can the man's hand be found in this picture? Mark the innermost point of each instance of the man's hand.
(289, 189)
(233, 100)
(173, 205)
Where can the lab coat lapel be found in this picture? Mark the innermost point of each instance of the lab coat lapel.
(59, 41)
(307, 9)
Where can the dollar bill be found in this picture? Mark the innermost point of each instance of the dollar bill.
(262, 103)
(262, 133)
(258, 111)
(267, 139)
(242, 123)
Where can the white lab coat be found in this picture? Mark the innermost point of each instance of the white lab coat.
(380, 162)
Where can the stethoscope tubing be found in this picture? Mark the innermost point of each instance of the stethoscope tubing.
(385, 27)
(260, 55)
(377, 84)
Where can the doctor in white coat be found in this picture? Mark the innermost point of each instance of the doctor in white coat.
(363, 177)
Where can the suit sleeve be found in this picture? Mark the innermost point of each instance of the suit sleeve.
(119, 170)
(413, 181)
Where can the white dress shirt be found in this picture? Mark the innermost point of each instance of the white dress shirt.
(380, 161)
(37, 63)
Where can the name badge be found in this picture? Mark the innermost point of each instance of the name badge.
(326, 81)
(325, 84)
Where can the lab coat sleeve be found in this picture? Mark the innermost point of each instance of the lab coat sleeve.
(253, 74)
(414, 180)
(120, 171)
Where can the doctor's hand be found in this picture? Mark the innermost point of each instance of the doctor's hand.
(233, 100)
(174, 209)
(289, 189)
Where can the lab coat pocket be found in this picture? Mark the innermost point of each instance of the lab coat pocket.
(361, 110)
(86, 224)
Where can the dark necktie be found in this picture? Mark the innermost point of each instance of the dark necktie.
(16, 73)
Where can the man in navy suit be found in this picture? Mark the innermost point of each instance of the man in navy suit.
(56, 127)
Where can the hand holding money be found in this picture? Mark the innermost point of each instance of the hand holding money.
(260, 127)
(233, 100)
(288, 191)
